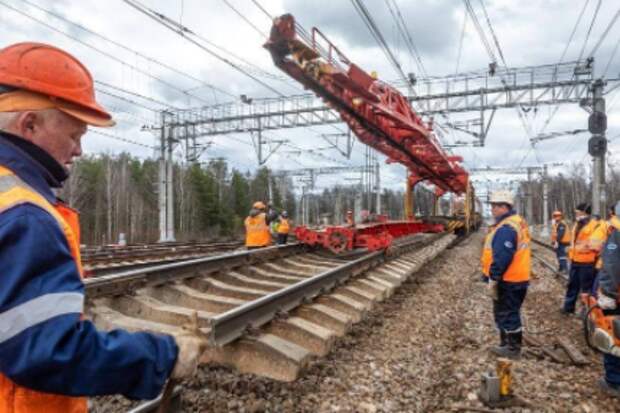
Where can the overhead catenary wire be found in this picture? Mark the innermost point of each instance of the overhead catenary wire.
(186, 33)
(120, 138)
(261, 8)
(404, 32)
(605, 33)
(103, 52)
(570, 39)
(461, 40)
(128, 49)
(480, 30)
(129, 92)
(493, 35)
(368, 20)
(244, 18)
(589, 32)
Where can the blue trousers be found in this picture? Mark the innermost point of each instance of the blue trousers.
(580, 280)
(612, 369)
(560, 252)
(507, 308)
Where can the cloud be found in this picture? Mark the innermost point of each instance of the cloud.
(530, 33)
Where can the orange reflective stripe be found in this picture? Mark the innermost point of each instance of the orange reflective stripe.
(15, 398)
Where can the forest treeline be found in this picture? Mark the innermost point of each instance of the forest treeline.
(565, 191)
(118, 194)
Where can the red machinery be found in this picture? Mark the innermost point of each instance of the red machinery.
(373, 237)
(377, 113)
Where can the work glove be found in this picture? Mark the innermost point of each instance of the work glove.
(555, 245)
(605, 302)
(191, 343)
(492, 290)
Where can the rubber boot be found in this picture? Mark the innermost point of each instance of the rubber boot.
(609, 389)
(503, 342)
(512, 349)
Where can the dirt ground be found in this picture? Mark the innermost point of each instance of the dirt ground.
(424, 350)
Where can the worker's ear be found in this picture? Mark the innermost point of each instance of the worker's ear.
(27, 124)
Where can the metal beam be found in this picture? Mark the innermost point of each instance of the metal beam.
(475, 91)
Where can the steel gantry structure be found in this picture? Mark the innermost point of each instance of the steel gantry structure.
(481, 92)
(308, 178)
(529, 195)
(469, 92)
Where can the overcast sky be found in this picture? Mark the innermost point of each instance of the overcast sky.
(529, 33)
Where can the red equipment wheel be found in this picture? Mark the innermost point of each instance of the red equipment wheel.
(337, 241)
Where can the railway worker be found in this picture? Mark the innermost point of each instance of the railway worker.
(349, 220)
(607, 227)
(257, 233)
(560, 239)
(284, 228)
(506, 265)
(587, 238)
(609, 299)
(50, 356)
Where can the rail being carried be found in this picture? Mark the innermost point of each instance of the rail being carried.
(377, 113)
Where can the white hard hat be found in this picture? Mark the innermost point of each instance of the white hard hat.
(501, 197)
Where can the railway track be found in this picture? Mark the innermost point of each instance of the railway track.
(267, 312)
(546, 263)
(106, 260)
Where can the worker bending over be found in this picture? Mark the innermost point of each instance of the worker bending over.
(284, 228)
(50, 356)
(506, 257)
(560, 239)
(257, 234)
(587, 238)
(609, 302)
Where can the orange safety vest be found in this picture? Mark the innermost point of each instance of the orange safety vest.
(586, 246)
(554, 233)
(13, 397)
(284, 226)
(607, 228)
(520, 267)
(257, 231)
(604, 323)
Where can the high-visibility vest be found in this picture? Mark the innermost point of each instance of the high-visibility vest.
(586, 245)
(608, 227)
(257, 231)
(13, 397)
(603, 335)
(554, 233)
(284, 226)
(520, 267)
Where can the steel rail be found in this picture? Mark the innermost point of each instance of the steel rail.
(232, 324)
(127, 281)
(153, 253)
(546, 263)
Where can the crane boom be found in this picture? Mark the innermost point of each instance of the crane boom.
(378, 114)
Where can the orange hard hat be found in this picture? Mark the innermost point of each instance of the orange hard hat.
(54, 73)
(258, 205)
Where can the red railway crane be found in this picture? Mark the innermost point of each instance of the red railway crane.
(378, 114)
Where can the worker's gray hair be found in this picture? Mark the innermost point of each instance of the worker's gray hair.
(7, 118)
